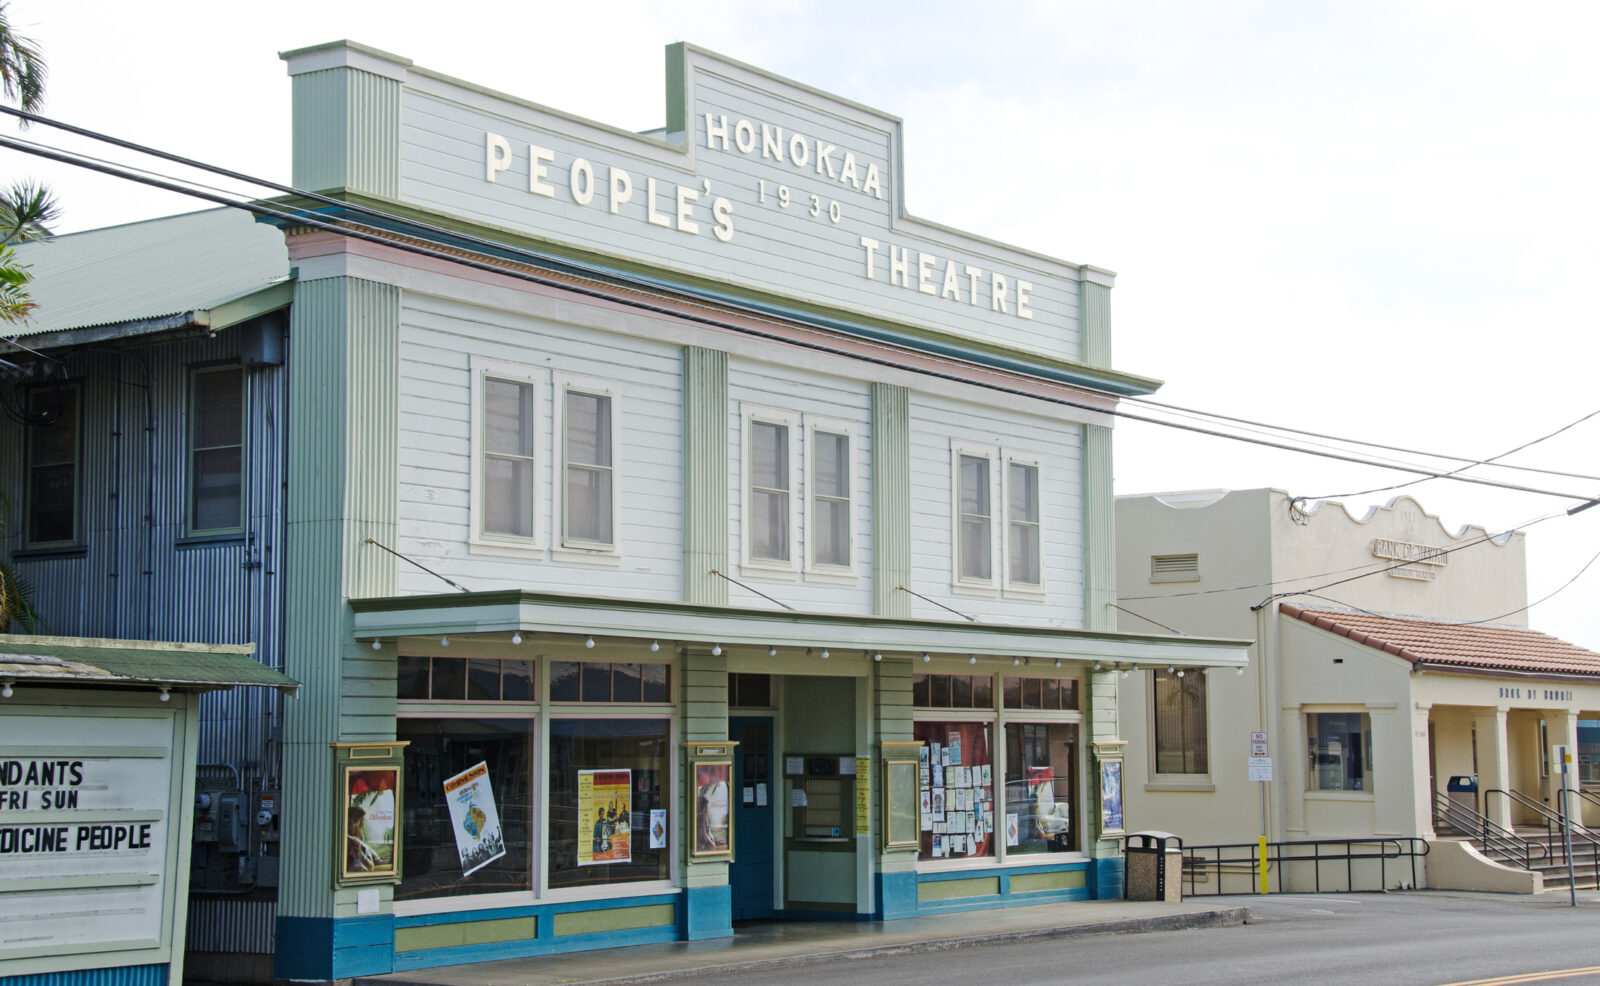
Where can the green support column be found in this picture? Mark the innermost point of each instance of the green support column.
(343, 489)
(707, 897)
(897, 871)
(705, 475)
(891, 499)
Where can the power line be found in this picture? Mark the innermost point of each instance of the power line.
(345, 227)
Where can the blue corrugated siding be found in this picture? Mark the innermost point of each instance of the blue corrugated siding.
(128, 975)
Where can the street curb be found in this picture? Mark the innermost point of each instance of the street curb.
(1225, 917)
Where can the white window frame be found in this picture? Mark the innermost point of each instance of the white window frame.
(564, 546)
(824, 570)
(750, 414)
(1011, 586)
(1158, 781)
(959, 582)
(489, 543)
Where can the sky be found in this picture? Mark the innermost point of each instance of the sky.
(1374, 220)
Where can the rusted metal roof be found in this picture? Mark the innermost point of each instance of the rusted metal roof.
(149, 275)
(1454, 646)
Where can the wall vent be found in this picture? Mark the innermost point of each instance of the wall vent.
(1174, 568)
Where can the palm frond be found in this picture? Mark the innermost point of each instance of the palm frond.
(27, 210)
(22, 67)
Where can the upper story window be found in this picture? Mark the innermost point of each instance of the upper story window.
(829, 528)
(54, 459)
(1024, 541)
(587, 434)
(1044, 694)
(216, 450)
(505, 402)
(769, 521)
(610, 681)
(974, 534)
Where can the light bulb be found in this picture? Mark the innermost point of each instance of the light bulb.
(1016, 661)
(1238, 672)
(165, 695)
(655, 645)
(1170, 669)
(1180, 674)
(1124, 672)
(877, 655)
(971, 659)
(444, 641)
(1096, 665)
(516, 638)
(588, 641)
(824, 653)
(772, 652)
(926, 658)
(1058, 664)
(5, 690)
(716, 650)
(376, 644)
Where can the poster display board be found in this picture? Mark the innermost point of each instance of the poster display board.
(1111, 796)
(367, 813)
(902, 795)
(474, 818)
(711, 809)
(605, 804)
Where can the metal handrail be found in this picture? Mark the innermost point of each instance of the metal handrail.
(1577, 828)
(1582, 793)
(1242, 858)
(1493, 835)
(1552, 817)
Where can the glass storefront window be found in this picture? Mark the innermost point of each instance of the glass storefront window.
(956, 788)
(1340, 751)
(440, 749)
(1041, 778)
(606, 776)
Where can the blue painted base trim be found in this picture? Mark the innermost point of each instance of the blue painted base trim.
(707, 912)
(1106, 877)
(1006, 897)
(897, 895)
(547, 942)
(322, 949)
(127, 975)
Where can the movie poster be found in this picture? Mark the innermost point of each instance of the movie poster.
(604, 804)
(370, 834)
(713, 820)
(474, 818)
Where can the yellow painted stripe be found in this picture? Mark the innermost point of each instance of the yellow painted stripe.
(1530, 977)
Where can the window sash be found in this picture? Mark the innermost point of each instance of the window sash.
(54, 455)
(1023, 542)
(769, 519)
(588, 502)
(216, 450)
(1340, 751)
(509, 460)
(830, 498)
(1179, 719)
(975, 540)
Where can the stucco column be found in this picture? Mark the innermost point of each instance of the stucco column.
(1563, 728)
(1494, 762)
(1422, 784)
(1291, 781)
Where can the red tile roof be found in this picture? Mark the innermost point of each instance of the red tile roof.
(1512, 650)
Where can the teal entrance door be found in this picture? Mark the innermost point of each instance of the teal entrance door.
(754, 795)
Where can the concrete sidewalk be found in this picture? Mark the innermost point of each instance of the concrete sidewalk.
(778, 944)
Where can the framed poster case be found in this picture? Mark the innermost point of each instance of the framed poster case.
(367, 813)
(711, 801)
(902, 823)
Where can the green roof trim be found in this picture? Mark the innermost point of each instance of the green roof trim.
(410, 221)
(100, 661)
(504, 611)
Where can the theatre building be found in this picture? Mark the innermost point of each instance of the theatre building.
(675, 531)
(1390, 656)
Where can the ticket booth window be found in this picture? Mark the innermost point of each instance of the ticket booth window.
(1340, 751)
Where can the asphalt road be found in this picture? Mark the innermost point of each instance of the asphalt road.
(1421, 938)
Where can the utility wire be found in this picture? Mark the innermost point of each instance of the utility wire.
(1502, 455)
(388, 239)
(1147, 402)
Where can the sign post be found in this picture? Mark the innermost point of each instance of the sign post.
(1261, 770)
(1561, 754)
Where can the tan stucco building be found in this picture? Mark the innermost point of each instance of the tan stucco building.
(1390, 655)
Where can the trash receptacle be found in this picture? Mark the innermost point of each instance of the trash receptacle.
(1462, 790)
(1152, 866)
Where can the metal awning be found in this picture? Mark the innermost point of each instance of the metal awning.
(151, 663)
(508, 611)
